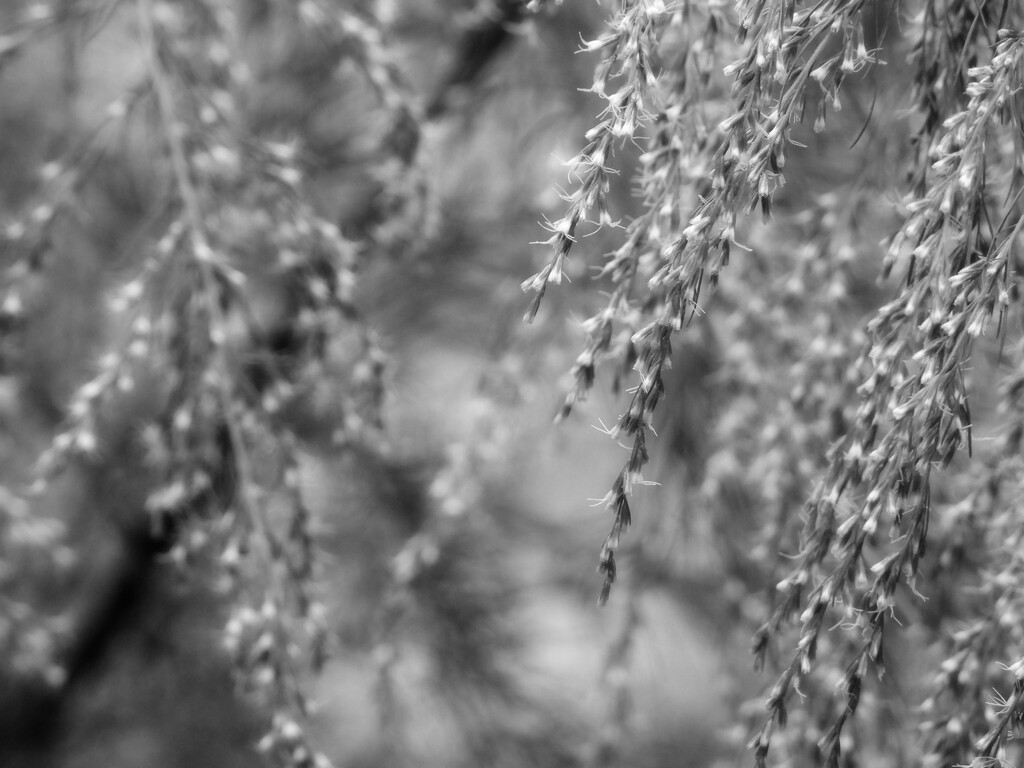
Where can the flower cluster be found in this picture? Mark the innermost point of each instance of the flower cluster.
(910, 420)
(30, 637)
(985, 632)
(730, 156)
(941, 56)
(626, 51)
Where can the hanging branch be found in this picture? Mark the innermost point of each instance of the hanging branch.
(907, 423)
(787, 52)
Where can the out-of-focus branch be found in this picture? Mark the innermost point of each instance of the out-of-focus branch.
(481, 42)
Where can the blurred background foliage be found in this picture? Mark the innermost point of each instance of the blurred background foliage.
(452, 530)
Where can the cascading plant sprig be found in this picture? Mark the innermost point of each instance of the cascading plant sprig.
(787, 52)
(914, 413)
